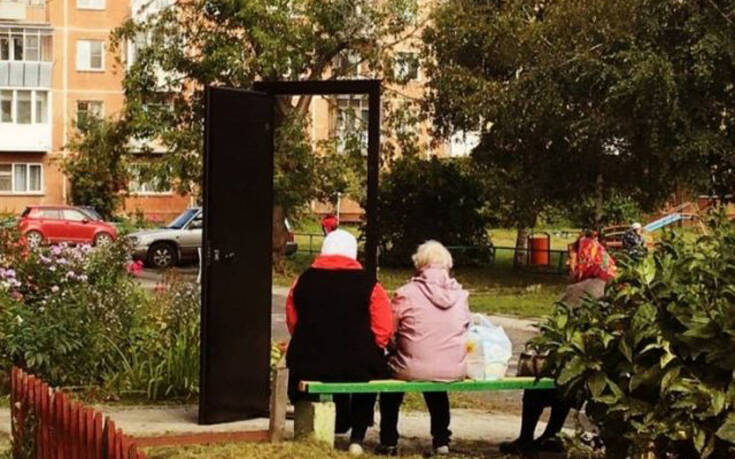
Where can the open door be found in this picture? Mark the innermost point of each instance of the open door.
(237, 238)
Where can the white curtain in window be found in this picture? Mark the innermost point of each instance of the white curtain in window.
(20, 172)
(23, 107)
(83, 55)
(41, 107)
(34, 176)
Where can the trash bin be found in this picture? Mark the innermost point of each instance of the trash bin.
(539, 246)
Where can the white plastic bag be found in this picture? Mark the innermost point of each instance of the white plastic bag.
(488, 349)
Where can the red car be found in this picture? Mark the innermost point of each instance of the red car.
(53, 224)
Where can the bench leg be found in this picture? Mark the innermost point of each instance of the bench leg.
(279, 402)
(314, 420)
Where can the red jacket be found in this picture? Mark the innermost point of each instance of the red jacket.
(381, 314)
(329, 224)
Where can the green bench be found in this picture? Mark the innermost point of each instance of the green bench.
(314, 418)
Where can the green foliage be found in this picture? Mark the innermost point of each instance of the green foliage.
(588, 99)
(616, 209)
(75, 317)
(230, 42)
(429, 199)
(654, 358)
(97, 166)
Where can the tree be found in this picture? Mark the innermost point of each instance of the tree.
(429, 199)
(588, 99)
(97, 166)
(197, 43)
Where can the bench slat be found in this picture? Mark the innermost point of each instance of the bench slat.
(391, 385)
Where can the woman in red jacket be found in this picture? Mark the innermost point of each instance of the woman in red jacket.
(340, 320)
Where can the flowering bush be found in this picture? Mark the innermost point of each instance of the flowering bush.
(76, 316)
(61, 306)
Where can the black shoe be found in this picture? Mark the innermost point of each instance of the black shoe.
(386, 450)
(549, 444)
(518, 448)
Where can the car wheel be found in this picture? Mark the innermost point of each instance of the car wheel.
(102, 239)
(34, 238)
(162, 255)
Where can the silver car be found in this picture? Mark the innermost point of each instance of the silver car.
(179, 241)
(175, 243)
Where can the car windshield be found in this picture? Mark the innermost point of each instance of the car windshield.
(182, 219)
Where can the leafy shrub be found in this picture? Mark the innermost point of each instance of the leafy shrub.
(74, 316)
(654, 358)
(429, 199)
(162, 361)
(61, 306)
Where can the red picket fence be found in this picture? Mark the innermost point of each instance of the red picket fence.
(62, 428)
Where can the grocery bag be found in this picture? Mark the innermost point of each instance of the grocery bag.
(488, 349)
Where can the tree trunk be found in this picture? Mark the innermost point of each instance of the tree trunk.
(599, 200)
(520, 252)
(280, 237)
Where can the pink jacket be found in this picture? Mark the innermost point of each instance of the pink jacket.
(432, 317)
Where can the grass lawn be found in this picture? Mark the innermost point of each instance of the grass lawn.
(494, 289)
(409, 449)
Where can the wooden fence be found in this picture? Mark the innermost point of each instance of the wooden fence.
(46, 423)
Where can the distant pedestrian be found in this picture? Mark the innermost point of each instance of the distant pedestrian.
(340, 321)
(633, 242)
(329, 223)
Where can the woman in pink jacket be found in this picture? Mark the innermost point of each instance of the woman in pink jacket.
(432, 318)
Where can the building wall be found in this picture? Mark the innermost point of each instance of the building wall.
(69, 85)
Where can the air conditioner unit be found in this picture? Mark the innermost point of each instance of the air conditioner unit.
(13, 10)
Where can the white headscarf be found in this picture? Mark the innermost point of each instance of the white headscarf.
(340, 242)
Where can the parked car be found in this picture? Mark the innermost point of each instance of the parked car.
(54, 224)
(179, 241)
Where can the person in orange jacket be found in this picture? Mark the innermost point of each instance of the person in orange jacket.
(340, 320)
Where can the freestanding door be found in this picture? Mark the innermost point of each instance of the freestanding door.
(236, 275)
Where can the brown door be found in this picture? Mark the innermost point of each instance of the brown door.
(236, 274)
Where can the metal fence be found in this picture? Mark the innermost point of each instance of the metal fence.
(556, 260)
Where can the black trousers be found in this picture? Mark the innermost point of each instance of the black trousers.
(534, 402)
(354, 412)
(436, 402)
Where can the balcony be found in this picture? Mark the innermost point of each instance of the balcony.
(25, 137)
(25, 74)
(13, 10)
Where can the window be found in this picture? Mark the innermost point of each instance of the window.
(51, 214)
(351, 122)
(87, 109)
(6, 106)
(406, 66)
(25, 44)
(348, 65)
(90, 55)
(6, 177)
(140, 184)
(41, 107)
(21, 178)
(91, 4)
(74, 215)
(23, 107)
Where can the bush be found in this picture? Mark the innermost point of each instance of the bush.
(654, 358)
(429, 199)
(75, 317)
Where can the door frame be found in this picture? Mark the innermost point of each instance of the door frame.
(371, 88)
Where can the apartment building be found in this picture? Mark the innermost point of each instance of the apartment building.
(55, 68)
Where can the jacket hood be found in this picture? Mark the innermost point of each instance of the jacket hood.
(439, 288)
